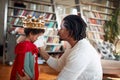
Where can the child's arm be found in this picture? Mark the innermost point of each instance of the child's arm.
(29, 64)
(26, 77)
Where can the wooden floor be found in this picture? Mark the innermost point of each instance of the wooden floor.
(46, 73)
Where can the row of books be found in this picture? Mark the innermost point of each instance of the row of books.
(50, 24)
(20, 12)
(51, 32)
(94, 32)
(51, 39)
(53, 48)
(94, 17)
(31, 5)
(94, 21)
(41, 7)
(95, 9)
(18, 22)
(92, 14)
(96, 29)
(95, 36)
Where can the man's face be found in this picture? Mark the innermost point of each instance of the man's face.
(63, 32)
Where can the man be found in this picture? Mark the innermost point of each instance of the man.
(81, 61)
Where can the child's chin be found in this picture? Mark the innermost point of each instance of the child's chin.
(32, 41)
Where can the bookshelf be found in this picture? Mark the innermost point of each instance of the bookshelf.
(95, 15)
(36, 9)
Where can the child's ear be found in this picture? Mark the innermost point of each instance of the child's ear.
(40, 34)
(30, 33)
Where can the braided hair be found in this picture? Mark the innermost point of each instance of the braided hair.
(76, 26)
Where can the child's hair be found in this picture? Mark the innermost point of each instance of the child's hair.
(33, 31)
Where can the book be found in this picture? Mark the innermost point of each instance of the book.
(92, 21)
(57, 48)
(90, 35)
(91, 15)
(49, 24)
(49, 48)
(16, 21)
(37, 14)
(53, 48)
(100, 29)
(55, 40)
(50, 40)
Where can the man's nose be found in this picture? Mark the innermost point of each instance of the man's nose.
(58, 29)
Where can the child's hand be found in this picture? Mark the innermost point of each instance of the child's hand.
(26, 77)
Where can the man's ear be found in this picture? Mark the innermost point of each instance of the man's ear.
(70, 34)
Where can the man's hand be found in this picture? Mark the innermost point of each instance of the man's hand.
(19, 77)
(43, 53)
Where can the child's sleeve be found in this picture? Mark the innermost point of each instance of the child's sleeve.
(29, 64)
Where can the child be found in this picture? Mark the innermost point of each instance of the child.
(26, 54)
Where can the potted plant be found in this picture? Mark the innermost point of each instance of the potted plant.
(112, 28)
(112, 31)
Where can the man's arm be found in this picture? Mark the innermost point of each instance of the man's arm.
(44, 54)
(54, 63)
(75, 65)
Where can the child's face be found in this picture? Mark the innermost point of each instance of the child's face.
(33, 38)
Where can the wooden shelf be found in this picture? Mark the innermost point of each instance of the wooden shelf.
(96, 32)
(17, 26)
(96, 4)
(22, 16)
(53, 44)
(98, 12)
(36, 2)
(31, 10)
(93, 4)
(95, 25)
(95, 15)
(55, 52)
(102, 12)
(99, 19)
(51, 35)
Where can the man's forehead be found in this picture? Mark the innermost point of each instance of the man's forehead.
(62, 24)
